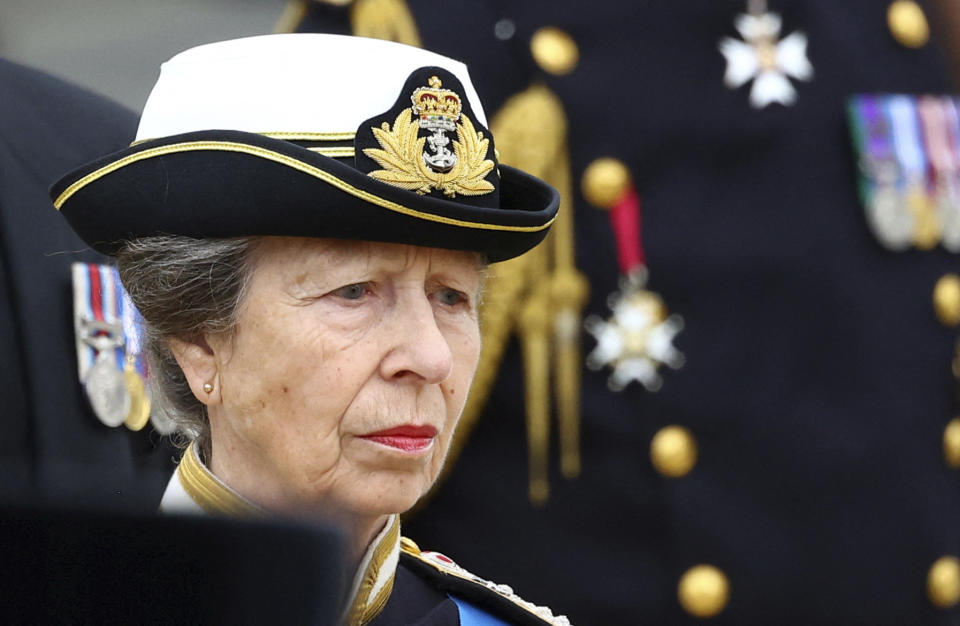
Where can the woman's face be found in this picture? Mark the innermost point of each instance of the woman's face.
(347, 374)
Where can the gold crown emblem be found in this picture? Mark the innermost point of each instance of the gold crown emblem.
(455, 166)
(434, 103)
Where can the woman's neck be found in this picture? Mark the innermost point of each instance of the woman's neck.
(360, 529)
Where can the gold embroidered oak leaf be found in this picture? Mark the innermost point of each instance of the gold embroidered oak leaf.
(401, 157)
(468, 176)
(398, 145)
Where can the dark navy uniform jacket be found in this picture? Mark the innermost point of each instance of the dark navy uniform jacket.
(817, 381)
(53, 449)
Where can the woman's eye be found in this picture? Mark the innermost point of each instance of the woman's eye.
(452, 297)
(352, 292)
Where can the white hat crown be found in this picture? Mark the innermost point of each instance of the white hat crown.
(297, 85)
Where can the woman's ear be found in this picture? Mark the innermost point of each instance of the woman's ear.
(198, 361)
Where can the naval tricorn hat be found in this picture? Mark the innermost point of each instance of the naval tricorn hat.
(311, 135)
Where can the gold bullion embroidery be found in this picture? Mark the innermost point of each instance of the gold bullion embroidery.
(401, 157)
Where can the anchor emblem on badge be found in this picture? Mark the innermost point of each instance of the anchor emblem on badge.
(438, 111)
(451, 164)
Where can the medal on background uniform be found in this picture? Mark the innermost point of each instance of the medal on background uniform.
(134, 367)
(638, 337)
(909, 156)
(104, 383)
(762, 57)
(110, 362)
(940, 123)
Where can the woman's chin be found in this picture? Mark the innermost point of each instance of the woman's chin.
(387, 495)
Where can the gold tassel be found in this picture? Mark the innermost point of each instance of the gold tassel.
(569, 291)
(535, 341)
(531, 133)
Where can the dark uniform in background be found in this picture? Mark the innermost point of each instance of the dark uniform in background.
(811, 473)
(79, 538)
(53, 449)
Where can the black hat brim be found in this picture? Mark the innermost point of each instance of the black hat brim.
(220, 183)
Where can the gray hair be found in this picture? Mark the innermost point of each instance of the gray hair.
(184, 288)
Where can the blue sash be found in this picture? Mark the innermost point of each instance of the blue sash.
(470, 615)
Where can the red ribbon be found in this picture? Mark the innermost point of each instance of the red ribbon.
(625, 222)
(96, 293)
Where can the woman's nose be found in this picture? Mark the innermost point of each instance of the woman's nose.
(418, 348)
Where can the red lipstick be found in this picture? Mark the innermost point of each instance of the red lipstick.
(407, 437)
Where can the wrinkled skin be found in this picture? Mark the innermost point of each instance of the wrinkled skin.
(337, 340)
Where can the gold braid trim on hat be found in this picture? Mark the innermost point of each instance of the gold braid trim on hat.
(296, 164)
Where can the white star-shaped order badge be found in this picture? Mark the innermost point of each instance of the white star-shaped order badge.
(765, 59)
(636, 339)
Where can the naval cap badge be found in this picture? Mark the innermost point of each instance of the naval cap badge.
(432, 145)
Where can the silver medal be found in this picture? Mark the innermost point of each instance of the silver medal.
(105, 384)
(889, 219)
(107, 391)
(948, 210)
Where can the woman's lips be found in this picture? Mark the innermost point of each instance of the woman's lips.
(408, 438)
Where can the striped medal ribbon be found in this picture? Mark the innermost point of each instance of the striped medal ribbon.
(110, 359)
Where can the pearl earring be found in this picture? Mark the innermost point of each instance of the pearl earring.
(208, 387)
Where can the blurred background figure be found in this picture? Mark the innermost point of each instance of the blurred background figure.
(767, 435)
(79, 538)
(54, 449)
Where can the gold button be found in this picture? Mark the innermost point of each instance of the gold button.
(673, 451)
(554, 50)
(703, 591)
(946, 299)
(604, 182)
(908, 24)
(951, 443)
(943, 582)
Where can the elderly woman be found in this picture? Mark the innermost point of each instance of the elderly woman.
(303, 223)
